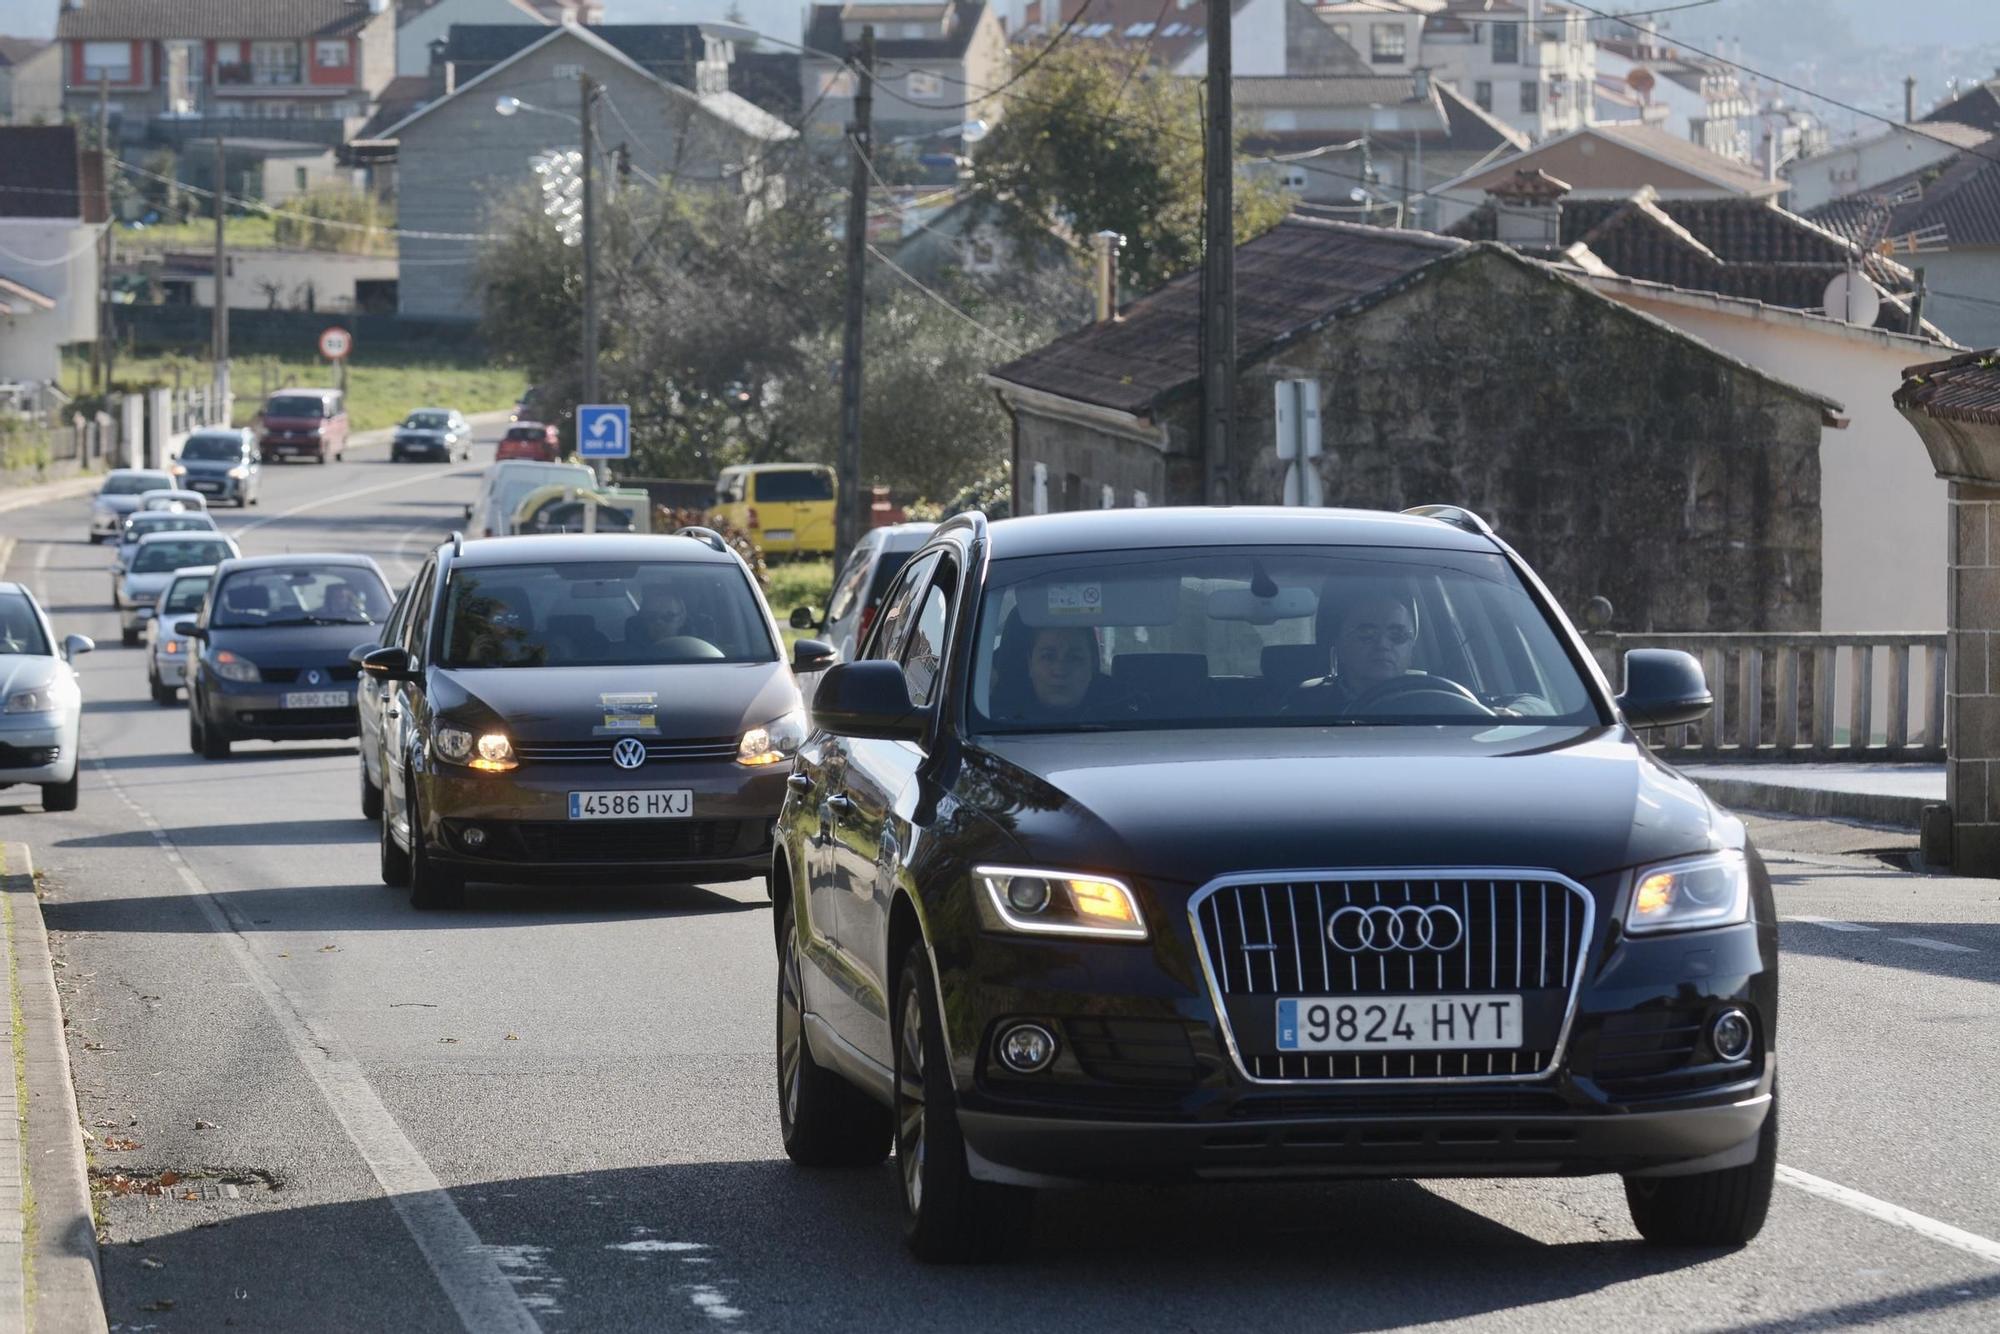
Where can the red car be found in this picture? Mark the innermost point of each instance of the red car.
(530, 440)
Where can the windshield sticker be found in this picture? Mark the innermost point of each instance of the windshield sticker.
(1076, 599)
(629, 711)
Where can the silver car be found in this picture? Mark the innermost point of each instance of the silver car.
(439, 433)
(152, 521)
(167, 660)
(119, 497)
(41, 706)
(158, 557)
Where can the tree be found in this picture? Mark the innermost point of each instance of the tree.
(1095, 140)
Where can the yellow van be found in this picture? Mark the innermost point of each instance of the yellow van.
(787, 508)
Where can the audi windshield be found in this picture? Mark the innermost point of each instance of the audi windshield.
(1263, 636)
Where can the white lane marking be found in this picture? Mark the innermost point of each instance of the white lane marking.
(356, 494)
(1941, 946)
(1894, 1214)
(401, 559)
(1827, 922)
(466, 1269)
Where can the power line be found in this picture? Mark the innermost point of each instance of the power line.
(1522, 23)
(1012, 79)
(340, 224)
(944, 301)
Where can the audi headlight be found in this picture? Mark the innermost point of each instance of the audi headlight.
(1058, 903)
(230, 667)
(1710, 890)
(774, 742)
(55, 695)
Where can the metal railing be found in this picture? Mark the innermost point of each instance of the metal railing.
(1803, 695)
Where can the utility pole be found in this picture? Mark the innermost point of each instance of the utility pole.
(1909, 98)
(220, 327)
(1218, 316)
(850, 517)
(100, 370)
(589, 86)
(1917, 304)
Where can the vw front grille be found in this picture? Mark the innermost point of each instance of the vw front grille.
(1516, 933)
(599, 752)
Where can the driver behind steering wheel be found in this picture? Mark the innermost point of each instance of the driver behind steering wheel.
(1372, 643)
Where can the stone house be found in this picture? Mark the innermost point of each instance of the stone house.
(1623, 457)
(456, 157)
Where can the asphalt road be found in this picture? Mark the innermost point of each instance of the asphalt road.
(554, 1110)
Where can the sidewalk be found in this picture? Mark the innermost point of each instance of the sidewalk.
(48, 1240)
(1886, 794)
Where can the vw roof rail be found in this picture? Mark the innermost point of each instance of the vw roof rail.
(457, 543)
(1456, 515)
(708, 537)
(975, 520)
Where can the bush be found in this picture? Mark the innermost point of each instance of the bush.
(673, 520)
(335, 204)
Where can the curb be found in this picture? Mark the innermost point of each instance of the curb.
(1900, 812)
(68, 1292)
(80, 485)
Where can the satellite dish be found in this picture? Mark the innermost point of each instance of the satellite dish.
(1852, 299)
(1639, 80)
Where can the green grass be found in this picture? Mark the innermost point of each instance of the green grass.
(379, 391)
(254, 231)
(802, 583)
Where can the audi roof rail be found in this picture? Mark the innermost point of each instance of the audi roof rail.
(706, 536)
(1456, 515)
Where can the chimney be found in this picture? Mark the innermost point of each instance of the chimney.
(1909, 98)
(1527, 208)
(450, 77)
(1107, 245)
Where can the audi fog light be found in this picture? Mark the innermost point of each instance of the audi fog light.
(1712, 890)
(474, 837)
(1731, 1034)
(1027, 1049)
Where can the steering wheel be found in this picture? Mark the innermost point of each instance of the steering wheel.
(1440, 694)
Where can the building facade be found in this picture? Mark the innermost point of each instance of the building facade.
(936, 64)
(52, 214)
(31, 82)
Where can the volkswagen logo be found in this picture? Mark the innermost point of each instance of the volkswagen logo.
(629, 753)
(312, 677)
(1402, 926)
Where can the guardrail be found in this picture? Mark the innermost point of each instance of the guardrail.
(1804, 696)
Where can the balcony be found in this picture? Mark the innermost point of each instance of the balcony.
(246, 78)
(326, 131)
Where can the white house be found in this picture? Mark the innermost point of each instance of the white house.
(1880, 158)
(52, 214)
(1702, 101)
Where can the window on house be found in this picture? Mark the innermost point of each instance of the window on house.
(1482, 94)
(925, 84)
(274, 62)
(107, 60)
(299, 179)
(571, 72)
(1506, 44)
(330, 55)
(1387, 43)
(1531, 97)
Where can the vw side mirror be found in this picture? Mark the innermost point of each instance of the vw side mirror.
(813, 655)
(389, 664)
(802, 619)
(360, 651)
(73, 645)
(867, 699)
(1664, 688)
(189, 630)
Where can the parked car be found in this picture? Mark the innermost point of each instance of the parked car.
(152, 521)
(505, 485)
(786, 507)
(154, 562)
(859, 588)
(41, 704)
(167, 659)
(119, 497)
(535, 441)
(222, 464)
(1066, 890)
(275, 633)
(432, 433)
(303, 423)
(372, 700)
(578, 706)
(173, 500)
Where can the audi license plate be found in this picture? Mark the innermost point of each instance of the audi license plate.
(660, 803)
(316, 699)
(1400, 1023)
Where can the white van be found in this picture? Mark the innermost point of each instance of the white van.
(505, 485)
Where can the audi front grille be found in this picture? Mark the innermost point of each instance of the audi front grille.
(1384, 934)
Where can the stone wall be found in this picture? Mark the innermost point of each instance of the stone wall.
(1972, 787)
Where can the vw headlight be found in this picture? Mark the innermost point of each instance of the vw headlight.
(774, 742)
(489, 752)
(232, 668)
(239, 472)
(1710, 890)
(55, 695)
(1058, 903)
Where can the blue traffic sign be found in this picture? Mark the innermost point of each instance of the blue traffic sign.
(604, 431)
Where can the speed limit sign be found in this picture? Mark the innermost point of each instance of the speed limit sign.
(335, 344)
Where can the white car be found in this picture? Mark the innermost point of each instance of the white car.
(167, 660)
(171, 497)
(119, 497)
(152, 521)
(505, 485)
(154, 564)
(41, 706)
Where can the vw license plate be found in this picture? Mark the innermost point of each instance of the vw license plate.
(1400, 1023)
(316, 699)
(660, 803)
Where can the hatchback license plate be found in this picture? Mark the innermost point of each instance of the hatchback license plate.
(316, 699)
(208, 486)
(660, 803)
(1400, 1023)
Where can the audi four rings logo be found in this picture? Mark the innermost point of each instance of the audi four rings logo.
(1403, 926)
(628, 753)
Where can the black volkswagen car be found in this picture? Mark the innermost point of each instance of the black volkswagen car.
(1242, 844)
(274, 636)
(560, 707)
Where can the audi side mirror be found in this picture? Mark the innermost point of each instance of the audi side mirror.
(1663, 688)
(867, 699)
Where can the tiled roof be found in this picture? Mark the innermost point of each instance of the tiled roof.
(1688, 155)
(1979, 108)
(664, 49)
(1726, 244)
(1465, 128)
(1168, 35)
(398, 98)
(160, 19)
(44, 174)
(825, 37)
(1301, 272)
(1953, 203)
(1320, 90)
(17, 50)
(1965, 388)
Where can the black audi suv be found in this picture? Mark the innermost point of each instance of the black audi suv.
(1242, 844)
